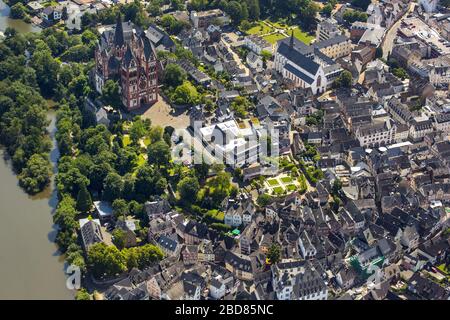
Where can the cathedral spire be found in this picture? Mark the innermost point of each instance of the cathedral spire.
(118, 35)
(291, 42)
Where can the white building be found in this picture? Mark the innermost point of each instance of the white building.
(420, 127)
(306, 247)
(217, 288)
(429, 5)
(257, 44)
(295, 61)
(327, 29)
(377, 134)
(238, 213)
(442, 122)
(297, 280)
(231, 144)
(255, 62)
(306, 66)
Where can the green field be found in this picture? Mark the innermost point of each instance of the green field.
(260, 28)
(274, 28)
(273, 182)
(302, 36)
(286, 179)
(216, 214)
(279, 25)
(273, 38)
(291, 187)
(278, 190)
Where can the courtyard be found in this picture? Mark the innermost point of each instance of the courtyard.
(162, 114)
(281, 184)
(274, 31)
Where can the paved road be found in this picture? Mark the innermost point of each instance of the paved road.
(236, 58)
(388, 41)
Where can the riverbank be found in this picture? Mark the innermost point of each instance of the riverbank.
(19, 25)
(32, 267)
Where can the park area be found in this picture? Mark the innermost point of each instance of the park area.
(274, 31)
(282, 184)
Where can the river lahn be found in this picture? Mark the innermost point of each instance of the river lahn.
(30, 264)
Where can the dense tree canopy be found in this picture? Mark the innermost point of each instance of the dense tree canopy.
(185, 93)
(109, 261)
(110, 94)
(188, 188)
(351, 16)
(36, 175)
(344, 80)
(174, 75)
(274, 253)
(84, 201)
(159, 153)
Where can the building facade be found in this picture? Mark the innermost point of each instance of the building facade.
(377, 134)
(125, 54)
(295, 61)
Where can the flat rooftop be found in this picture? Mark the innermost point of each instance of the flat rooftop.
(416, 28)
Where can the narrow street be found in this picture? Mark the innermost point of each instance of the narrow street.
(237, 58)
(389, 37)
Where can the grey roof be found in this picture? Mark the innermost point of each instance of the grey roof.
(189, 288)
(149, 50)
(157, 207)
(158, 36)
(90, 232)
(118, 33)
(128, 57)
(298, 73)
(298, 58)
(239, 261)
(297, 44)
(48, 10)
(331, 41)
(167, 243)
(101, 114)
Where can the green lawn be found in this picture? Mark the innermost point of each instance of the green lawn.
(273, 38)
(278, 190)
(443, 269)
(291, 187)
(286, 179)
(260, 28)
(147, 141)
(279, 25)
(126, 140)
(302, 36)
(216, 214)
(273, 182)
(50, 3)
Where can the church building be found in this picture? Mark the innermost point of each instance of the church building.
(126, 55)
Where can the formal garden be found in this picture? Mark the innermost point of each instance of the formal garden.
(274, 31)
(289, 180)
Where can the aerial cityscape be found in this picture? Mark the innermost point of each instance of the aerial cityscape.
(225, 150)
